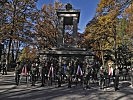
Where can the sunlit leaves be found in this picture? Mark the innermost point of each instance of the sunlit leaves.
(105, 5)
(28, 53)
(129, 15)
(107, 31)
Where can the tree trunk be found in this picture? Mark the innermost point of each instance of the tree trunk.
(8, 53)
(17, 50)
(12, 31)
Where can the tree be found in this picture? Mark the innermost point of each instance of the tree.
(102, 30)
(124, 54)
(19, 26)
(47, 31)
(128, 14)
(28, 53)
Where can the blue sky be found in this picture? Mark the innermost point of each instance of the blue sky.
(87, 9)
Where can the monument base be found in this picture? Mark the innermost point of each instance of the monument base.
(67, 52)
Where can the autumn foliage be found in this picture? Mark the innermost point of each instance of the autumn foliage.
(109, 28)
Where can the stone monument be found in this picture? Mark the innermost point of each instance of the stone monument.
(67, 17)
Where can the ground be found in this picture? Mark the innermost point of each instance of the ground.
(9, 91)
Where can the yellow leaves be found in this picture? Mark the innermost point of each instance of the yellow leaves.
(104, 19)
(88, 36)
(101, 5)
(28, 53)
(108, 18)
(129, 15)
(107, 11)
(57, 5)
(33, 54)
(129, 10)
(105, 4)
(26, 1)
(104, 31)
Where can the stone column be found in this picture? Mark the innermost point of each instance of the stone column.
(60, 40)
(60, 61)
(75, 28)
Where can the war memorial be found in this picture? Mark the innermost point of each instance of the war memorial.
(68, 17)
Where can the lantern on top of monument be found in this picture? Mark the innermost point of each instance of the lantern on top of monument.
(68, 6)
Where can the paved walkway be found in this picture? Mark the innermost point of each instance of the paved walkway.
(9, 91)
